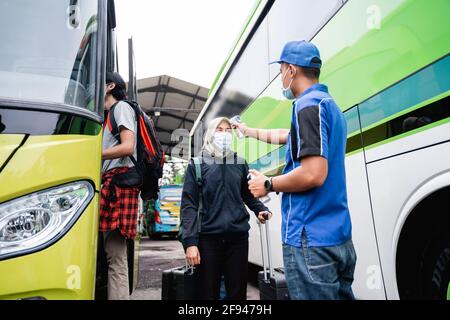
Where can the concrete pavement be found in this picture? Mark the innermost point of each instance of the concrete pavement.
(156, 256)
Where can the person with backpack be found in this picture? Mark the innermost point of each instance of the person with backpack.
(214, 220)
(118, 204)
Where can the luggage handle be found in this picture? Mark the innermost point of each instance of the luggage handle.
(189, 269)
(269, 254)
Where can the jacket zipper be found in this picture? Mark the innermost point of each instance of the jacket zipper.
(224, 186)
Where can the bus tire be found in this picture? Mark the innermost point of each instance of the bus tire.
(436, 269)
(423, 250)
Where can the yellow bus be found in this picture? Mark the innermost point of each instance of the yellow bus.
(53, 62)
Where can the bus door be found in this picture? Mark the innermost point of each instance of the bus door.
(52, 76)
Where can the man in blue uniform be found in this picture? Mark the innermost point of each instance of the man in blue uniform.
(318, 252)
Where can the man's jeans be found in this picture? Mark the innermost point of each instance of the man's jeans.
(319, 273)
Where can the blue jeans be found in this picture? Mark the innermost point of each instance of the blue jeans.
(319, 273)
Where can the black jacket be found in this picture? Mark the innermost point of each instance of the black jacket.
(225, 191)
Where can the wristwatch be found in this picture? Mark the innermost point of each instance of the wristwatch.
(268, 185)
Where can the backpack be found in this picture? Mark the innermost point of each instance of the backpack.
(199, 179)
(150, 155)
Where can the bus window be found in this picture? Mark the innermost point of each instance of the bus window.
(52, 60)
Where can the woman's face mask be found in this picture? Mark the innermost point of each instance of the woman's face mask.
(223, 140)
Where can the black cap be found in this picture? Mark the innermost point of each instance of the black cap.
(114, 77)
(119, 92)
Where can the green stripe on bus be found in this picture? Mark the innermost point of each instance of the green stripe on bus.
(426, 84)
(448, 292)
(354, 152)
(353, 134)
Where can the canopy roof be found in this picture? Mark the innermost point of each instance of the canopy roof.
(173, 104)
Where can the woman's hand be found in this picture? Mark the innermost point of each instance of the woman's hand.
(193, 256)
(263, 216)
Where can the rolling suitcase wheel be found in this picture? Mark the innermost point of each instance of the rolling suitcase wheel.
(272, 282)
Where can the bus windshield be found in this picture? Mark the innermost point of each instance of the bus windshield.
(49, 50)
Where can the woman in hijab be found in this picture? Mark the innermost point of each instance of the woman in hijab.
(220, 246)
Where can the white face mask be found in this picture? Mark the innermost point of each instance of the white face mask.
(287, 92)
(223, 140)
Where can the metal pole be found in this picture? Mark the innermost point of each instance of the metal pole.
(262, 251)
(130, 71)
(269, 255)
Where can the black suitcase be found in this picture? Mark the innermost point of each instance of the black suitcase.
(180, 284)
(272, 282)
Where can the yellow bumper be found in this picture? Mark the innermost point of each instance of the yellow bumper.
(66, 269)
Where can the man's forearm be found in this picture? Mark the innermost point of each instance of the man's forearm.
(117, 152)
(124, 149)
(272, 136)
(298, 180)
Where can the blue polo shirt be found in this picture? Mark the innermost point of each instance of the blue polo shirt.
(318, 128)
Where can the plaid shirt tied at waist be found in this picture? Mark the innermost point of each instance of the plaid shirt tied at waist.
(118, 205)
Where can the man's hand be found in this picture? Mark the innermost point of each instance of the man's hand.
(256, 185)
(193, 256)
(263, 216)
(242, 127)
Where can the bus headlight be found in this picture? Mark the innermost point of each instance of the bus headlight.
(34, 221)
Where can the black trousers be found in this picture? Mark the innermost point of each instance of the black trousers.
(227, 256)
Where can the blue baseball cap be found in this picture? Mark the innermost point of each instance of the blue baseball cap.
(301, 53)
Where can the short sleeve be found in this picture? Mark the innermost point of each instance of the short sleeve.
(125, 116)
(312, 132)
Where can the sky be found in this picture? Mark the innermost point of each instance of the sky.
(186, 39)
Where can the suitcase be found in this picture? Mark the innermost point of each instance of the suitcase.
(180, 284)
(272, 282)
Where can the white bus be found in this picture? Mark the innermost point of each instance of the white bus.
(387, 65)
